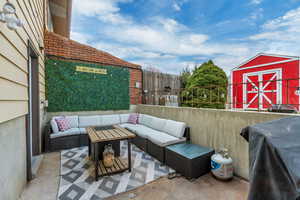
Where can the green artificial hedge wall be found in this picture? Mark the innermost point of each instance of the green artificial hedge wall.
(71, 90)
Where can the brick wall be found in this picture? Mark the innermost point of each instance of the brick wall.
(135, 93)
(64, 48)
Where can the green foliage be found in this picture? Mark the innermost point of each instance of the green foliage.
(184, 76)
(70, 90)
(206, 87)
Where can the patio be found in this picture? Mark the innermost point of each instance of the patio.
(47, 75)
(45, 186)
(54, 179)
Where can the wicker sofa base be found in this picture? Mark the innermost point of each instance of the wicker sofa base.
(74, 141)
(151, 148)
(67, 142)
(140, 142)
(156, 151)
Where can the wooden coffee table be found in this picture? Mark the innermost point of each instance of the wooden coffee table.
(98, 135)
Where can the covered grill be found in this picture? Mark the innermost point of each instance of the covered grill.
(274, 149)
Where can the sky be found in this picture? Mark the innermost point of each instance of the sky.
(170, 35)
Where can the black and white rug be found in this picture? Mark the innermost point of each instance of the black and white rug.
(77, 175)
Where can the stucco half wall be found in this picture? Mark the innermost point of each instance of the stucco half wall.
(216, 128)
(13, 158)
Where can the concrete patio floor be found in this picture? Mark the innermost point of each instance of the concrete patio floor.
(45, 186)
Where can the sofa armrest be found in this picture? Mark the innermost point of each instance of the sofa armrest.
(187, 133)
(47, 132)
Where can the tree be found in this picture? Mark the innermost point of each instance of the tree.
(184, 76)
(206, 87)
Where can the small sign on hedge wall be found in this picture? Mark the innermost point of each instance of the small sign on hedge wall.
(90, 70)
(98, 88)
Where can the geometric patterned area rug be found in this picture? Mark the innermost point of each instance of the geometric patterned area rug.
(77, 175)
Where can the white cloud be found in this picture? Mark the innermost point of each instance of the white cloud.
(161, 42)
(175, 39)
(164, 62)
(80, 37)
(289, 20)
(105, 10)
(165, 43)
(256, 2)
(229, 62)
(176, 6)
(125, 51)
(94, 7)
(278, 36)
(169, 24)
(257, 14)
(282, 31)
(162, 38)
(172, 66)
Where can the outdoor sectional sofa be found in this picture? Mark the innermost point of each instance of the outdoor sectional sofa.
(153, 134)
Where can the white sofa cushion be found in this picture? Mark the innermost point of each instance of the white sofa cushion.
(54, 126)
(158, 123)
(73, 120)
(138, 129)
(72, 131)
(174, 128)
(108, 120)
(163, 139)
(146, 120)
(160, 138)
(83, 131)
(124, 118)
(86, 121)
(145, 131)
(129, 126)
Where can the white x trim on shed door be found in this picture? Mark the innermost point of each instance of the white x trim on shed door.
(262, 89)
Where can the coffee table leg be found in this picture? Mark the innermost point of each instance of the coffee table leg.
(96, 157)
(129, 155)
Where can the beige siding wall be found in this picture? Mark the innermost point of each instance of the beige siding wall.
(14, 57)
(14, 92)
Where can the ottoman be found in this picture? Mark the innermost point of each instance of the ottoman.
(190, 160)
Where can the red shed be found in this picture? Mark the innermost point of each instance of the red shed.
(264, 80)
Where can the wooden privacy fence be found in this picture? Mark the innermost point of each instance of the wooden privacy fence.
(157, 83)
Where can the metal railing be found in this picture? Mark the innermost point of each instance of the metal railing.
(250, 95)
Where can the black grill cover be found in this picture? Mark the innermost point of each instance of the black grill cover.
(274, 149)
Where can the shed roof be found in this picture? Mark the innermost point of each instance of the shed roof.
(262, 59)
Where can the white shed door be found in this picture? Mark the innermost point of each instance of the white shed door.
(262, 89)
